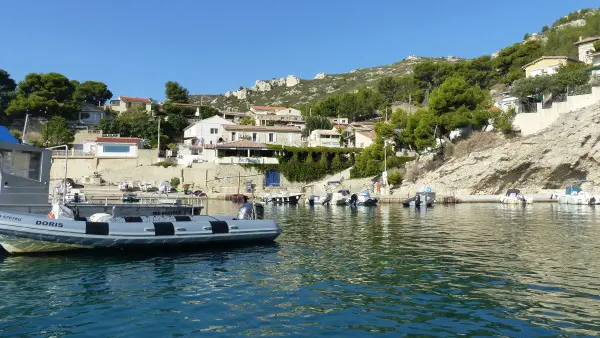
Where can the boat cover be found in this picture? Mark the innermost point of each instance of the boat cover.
(514, 192)
(6, 136)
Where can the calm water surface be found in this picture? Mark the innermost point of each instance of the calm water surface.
(467, 269)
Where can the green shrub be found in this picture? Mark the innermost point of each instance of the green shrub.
(175, 181)
(165, 164)
(395, 177)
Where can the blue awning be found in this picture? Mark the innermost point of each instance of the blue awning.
(6, 136)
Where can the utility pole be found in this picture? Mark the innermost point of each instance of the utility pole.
(159, 137)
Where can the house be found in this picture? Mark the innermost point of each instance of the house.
(586, 49)
(277, 116)
(113, 147)
(188, 154)
(324, 138)
(244, 152)
(546, 65)
(287, 136)
(207, 131)
(126, 102)
(90, 115)
(233, 116)
(339, 120)
(363, 139)
(595, 64)
(508, 102)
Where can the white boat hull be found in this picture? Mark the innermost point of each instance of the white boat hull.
(584, 199)
(32, 233)
(515, 200)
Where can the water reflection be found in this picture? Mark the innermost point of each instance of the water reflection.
(468, 269)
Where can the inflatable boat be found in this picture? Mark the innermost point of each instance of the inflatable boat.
(60, 230)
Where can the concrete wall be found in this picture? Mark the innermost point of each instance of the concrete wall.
(531, 123)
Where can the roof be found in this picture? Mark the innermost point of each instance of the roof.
(550, 58)
(186, 104)
(242, 144)
(325, 132)
(212, 119)
(132, 140)
(268, 108)
(134, 99)
(586, 40)
(370, 134)
(239, 127)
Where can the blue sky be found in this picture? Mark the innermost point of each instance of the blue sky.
(135, 46)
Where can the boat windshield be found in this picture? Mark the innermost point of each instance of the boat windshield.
(24, 164)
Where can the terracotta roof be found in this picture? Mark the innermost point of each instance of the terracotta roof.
(268, 108)
(240, 127)
(242, 144)
(186, 104)
(134, 99)
(590, 39)
(550, 58)
(133, 140)
(370, 134)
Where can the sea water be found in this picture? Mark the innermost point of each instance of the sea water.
(474, 270)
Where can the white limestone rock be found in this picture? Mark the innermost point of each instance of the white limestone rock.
(241, 94)
(320, 76)
(277, 82)
(228, 94)
(262, 86)
(291, 81)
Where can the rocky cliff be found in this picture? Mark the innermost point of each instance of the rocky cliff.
(566, 151)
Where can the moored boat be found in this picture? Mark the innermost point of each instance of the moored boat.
(281, 198)
(30, 233)
(514, 196)
(421, 199)
(363, 198)
(324, 199)
(575, 195)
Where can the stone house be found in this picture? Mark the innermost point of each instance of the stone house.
(586, 50)
(126, 102)
(286, 136)
(546, 65)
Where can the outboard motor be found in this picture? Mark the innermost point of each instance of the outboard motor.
(353, 199)
(251, 211)
(592, 201)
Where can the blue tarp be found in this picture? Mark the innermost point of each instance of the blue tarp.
(6, 136)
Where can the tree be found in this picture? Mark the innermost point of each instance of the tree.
(176, 93)
(45, 94)
(93, 92)
(7, 90)
(453, 102)
(396, 88)
(247, 120)
(597, 46)
(56, 132)
(316, 122)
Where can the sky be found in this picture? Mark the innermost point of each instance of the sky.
(211, 47)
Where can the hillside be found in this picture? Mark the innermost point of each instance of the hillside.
(566, 151)
(309, 90)
(556, 39)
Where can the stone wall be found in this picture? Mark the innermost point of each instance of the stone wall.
(531, 123)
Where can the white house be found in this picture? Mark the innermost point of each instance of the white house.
(126, 102)
(586, 50)
(113, 147)
(90, 114)
(546, 65)
(339, 120)
(290, 136)
(207, 131)
(277, 116)
(508, 102)
(363, 139)
(324, 138)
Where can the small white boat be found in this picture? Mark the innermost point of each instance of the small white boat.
(281, 198)
(341, 196)
(575, 195)
(514, 196)
(363, 198)
(30, 233)
(421, 199)
(319, 199)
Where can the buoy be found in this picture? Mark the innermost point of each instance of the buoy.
(50, 215)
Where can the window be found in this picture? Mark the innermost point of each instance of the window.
(214, 131)
(116, 149)
(271, 137)
(254, 137)
(233, 136)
